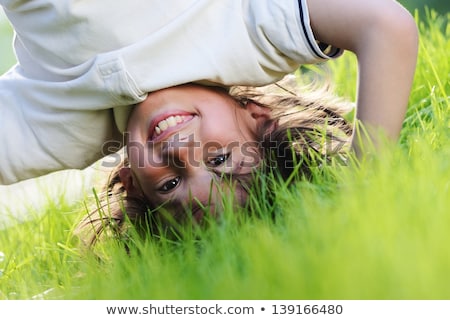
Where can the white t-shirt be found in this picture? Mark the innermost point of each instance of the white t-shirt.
(84, 63)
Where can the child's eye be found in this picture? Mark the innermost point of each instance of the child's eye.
(219, 160)
(170, 185)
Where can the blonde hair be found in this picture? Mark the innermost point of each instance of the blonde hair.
(309, 124)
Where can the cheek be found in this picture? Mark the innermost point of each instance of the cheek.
(223, 125)
(136, 156)
(135, 147)
(140, 156)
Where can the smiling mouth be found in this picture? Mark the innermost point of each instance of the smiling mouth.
(161, 128)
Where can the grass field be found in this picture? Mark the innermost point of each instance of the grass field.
(375, 231)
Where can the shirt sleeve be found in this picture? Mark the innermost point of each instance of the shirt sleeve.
(281, 30)
(320, 49)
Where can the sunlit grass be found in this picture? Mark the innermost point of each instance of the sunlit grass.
(378, 230)
(7, 58)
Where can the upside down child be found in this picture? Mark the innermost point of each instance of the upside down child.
(160, 72)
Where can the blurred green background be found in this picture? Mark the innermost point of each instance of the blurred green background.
(7, 56)
(441, 6)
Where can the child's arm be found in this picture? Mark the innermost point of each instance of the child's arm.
(384, 37)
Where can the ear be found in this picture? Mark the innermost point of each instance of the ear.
(127, 179)
(257, 112)
(262, 115)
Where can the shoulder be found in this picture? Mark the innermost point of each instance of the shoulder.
(286, 26)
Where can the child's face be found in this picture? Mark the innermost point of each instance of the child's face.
(181, 140)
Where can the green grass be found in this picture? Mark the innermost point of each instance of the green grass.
(7, 58)
(379, 230)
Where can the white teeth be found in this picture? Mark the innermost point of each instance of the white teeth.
(171, 121)
(163, 125)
